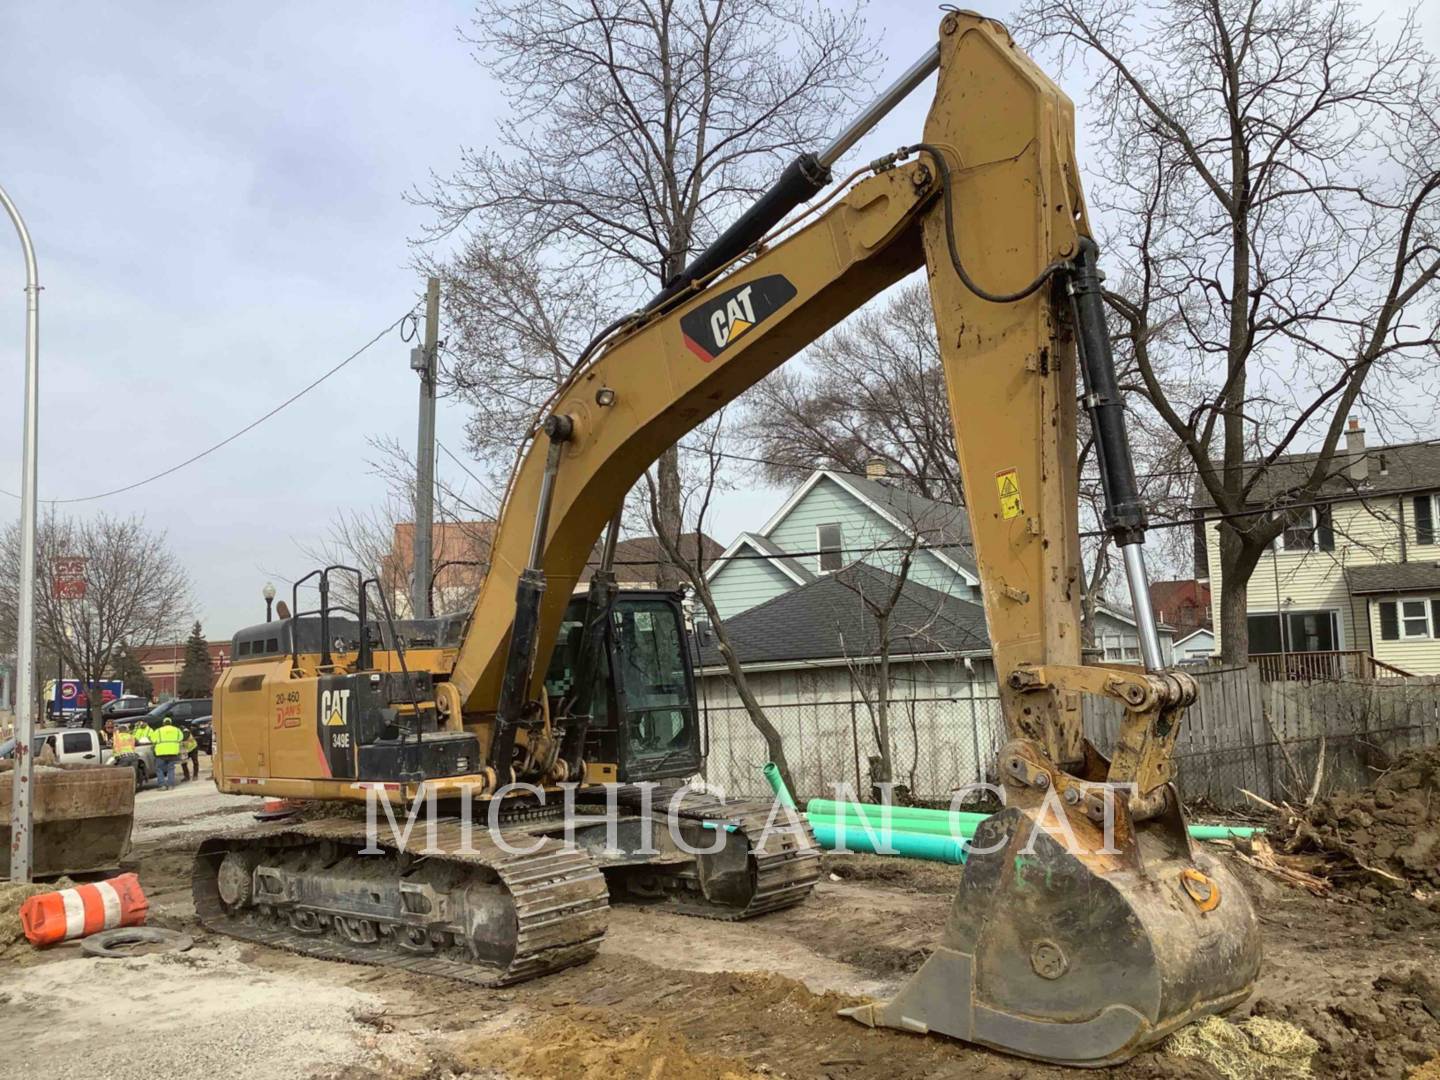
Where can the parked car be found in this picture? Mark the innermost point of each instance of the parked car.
(72, 746)
(82, 746)
(126, 708)
(189, 714)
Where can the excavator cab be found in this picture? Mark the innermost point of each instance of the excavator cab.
(643, 716)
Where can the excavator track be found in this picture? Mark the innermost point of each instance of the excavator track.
(740, 882)
(476, 913)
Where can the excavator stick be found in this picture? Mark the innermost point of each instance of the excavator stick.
(1086, 927)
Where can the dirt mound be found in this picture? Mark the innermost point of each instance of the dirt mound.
(915, 875)
(1376, 1032)
(12, 896)
(1387, 837)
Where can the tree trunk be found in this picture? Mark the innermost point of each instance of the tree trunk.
(774, 744)
(667, 499)
(885, 774)
(1238, 559)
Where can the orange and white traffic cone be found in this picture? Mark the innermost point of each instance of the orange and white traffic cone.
(84, 910)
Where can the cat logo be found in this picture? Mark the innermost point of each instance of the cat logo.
(335, 707)
(713, 326)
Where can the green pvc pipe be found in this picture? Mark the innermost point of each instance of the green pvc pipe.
(967, 823)
(1223, 832)
(911, 845)
(874, 811)
(777, 785)
(916, 825)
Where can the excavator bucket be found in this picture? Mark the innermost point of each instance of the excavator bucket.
(1058, 951)
(82, 817)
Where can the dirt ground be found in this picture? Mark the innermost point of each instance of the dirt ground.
(667, 997)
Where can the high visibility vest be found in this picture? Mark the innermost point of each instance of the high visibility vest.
(168, 740)
(190, 745)
(124, 742)
(143, 732)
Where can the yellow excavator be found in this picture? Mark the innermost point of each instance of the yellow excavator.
(1086, 925)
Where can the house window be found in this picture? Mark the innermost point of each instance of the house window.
(1120, 648)
(1424, 513)
(828, 544)
(1304, 631)
(1414, 619)
(1409, 620)
(1310, 528)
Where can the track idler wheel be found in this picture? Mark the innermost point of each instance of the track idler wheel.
(1079, 957)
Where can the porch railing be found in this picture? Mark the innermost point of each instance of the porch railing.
(1318, 666)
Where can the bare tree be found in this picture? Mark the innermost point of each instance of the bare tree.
(637, 126)
(699, 482)
(135, 592)
(1271, 170)
(514, 328)
(370, 540)
(872, 388)
(870, 672)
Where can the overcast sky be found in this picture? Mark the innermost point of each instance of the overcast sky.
(215, 195)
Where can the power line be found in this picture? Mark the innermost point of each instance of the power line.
(1181, 473)
(229, 438)
(483, 485)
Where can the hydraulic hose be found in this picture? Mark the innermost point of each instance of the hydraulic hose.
(942, 168)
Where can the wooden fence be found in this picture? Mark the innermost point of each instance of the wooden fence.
(1273, 738)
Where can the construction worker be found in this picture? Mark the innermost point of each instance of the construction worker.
(124, 742)
(190, 756)
(107, 734)
(168, 740)
(143, 732)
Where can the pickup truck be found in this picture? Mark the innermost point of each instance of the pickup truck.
(82, 746)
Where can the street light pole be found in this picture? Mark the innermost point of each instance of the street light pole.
(22, 778)
(269, 593)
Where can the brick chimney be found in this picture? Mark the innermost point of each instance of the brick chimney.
(1355, 451)
(876, 468)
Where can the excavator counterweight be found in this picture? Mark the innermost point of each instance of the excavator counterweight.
(1086, 927)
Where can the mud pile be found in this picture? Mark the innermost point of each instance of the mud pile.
(1383, 1031)
(1388, 834)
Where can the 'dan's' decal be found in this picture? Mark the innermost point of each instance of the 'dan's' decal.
(710, 328)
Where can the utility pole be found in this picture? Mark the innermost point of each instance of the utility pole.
(22, 777)
(423, 360)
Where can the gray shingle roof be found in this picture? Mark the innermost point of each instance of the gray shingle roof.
(1398, 467)
(829, 620)
(1394, 577)
(937, 523)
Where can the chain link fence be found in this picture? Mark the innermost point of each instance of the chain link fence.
(937, 744)
(1279, 740)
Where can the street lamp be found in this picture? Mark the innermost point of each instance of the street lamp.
(269, 593)
(21, 809)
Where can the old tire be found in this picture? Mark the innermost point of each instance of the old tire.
(115, 944)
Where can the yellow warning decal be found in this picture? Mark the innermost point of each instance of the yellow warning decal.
(1007, 482)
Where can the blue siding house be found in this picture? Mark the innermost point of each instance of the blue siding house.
(834, 520)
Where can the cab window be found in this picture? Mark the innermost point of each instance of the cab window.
(560, 676)
(650, 662)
